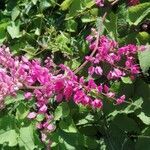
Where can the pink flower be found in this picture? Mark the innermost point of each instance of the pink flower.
(78, 96)
(86, 100)
(91, 70)
(121, 99)
(59, 97)
(99, 2)
(100, 88)
(106, 88)
(59, 85)
(28, 95)
(50, 127)
(91, 84)
(68, 92)
(97, 103)
(43, 109)
(43, 137)
(135, 69)
(98, 70)
(89, 38)
(115, 74)
(45, 124)
(32, 115)
(39, 125)
(110, 94)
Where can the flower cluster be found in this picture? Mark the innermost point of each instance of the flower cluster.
(46, 84)
(9, 83)
(112, 61)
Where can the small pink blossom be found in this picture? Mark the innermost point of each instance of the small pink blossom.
(97, 103)
(50, 127)
(32, 115)
(28, 95)
(39, 125)
(121, 99)
(43, 137)
(106, 88)
(89, 38)
(91, 70)
(98, 70)
(59, 97)
(68, 91)
(99, 2)
(100, 88)
(110, 94)
(43, 109)
(115, 74)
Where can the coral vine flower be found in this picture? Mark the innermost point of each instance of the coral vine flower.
(99, 2)
(31, 115)
(97, 103)
(121, 99)
(17, 73)
(28, 95)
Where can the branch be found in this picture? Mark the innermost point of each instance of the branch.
(97, 39)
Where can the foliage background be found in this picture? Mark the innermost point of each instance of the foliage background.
(58, 28)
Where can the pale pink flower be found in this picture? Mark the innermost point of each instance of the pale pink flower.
(121, 99)
(32, 115)
(28, 95)
(98, 70)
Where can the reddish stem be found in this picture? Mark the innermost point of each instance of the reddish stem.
(97, 40)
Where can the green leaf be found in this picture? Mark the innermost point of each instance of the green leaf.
(143, 38)
(71, 26)
(72, 141)
(14, 30)
(40, 117)
(44, 4)
(125, 123)
(37, 31)
(15, 13)
(30, 50)
(22, 111)
(137, 13)
(66, 4)
(89, 3)
(61, 111)
(62, 41)
(7, 133)
(143, 90)
(90, 16)
(145, 119)
(111, 25)
(68, 125)
(34, 2)
(126, 80)
(26, 138)
(74, 9)
(3, 27)
(10, 99)
(144, 59)
(143, 141)
(9, 137)
(136, 105)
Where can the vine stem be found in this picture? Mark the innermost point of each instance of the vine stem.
(97, 39)
(95, 49)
